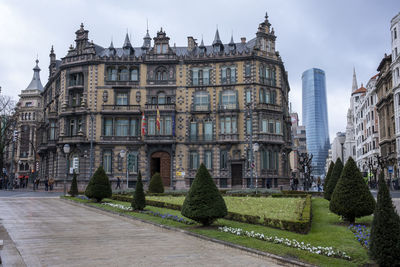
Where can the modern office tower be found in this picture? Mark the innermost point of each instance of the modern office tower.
(315, 118)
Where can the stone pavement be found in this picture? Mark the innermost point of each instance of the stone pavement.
(51, 232)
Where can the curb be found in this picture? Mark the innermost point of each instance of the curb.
(278, 259)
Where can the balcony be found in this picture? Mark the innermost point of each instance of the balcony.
(159, 139)
(121, 83)
(73, 139)
(161, 107)
(228, 137)
(120, 138)
(267, 137)
(120, 108)
(200, 108)
(228, 107)
(265, 106)
(200, 138)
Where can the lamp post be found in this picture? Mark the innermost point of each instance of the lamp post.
(66, 152)
(122, 155)
(250, 115)
(91, 146)
(255, 149)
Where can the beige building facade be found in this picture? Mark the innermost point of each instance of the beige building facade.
(167, 109)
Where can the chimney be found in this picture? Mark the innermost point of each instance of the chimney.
(243, 40)
(191, 43)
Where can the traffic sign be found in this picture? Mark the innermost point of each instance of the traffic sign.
(390, 169)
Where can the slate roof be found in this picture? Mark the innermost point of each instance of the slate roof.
(35, 84)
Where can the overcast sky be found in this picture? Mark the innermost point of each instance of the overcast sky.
(331, 35)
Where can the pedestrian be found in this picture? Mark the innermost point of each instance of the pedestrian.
(51, 183)
(118, 183)
(37, 183)
(46, 184)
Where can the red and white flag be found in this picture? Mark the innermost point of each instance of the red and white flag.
(143, 124)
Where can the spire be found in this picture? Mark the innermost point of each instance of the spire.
(147, 39)
(202, 43)
(354, 86)
(127, 42)
(232, 45)
(111, 48)
(217, 44)
(35, 84)
(52, 55)
(217, 40)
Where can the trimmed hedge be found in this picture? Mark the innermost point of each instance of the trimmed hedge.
(302, 226)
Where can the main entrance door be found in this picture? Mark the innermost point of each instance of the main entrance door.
(236, 174)
(161, 162)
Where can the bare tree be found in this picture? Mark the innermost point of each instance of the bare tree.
(8, 119)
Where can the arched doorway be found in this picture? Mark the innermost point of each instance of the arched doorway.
(161, 162)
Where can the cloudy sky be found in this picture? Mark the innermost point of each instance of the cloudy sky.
(331, 35)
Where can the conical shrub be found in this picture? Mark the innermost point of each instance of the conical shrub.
(204, 202)
(99, 186)
(351, 198)
(156, 185)
(333, 179)
(73, 191)
(385, 231)
(327, 177)
(139, 199)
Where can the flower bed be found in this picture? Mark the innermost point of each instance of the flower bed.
(362, 233)
(327, 251)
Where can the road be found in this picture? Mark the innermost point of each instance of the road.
(52, 232)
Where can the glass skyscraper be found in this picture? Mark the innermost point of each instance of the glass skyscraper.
(315, 118)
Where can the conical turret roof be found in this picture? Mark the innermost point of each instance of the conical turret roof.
(35, 84)
(217, 40)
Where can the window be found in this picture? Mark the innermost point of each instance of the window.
(195, 77)
(75, 98)
(273, 97)
(76, 79)
(52, 135)
(208, 130)
(248, 126)
(132, 162)
(247, 70)
(158, 49)
(121, 127)
(164, 48)
(228, 125)
(228, 75)
(395, 33)
(201, 101)
(112, 74)
(224, 159)
(161, 75)
(206, 77)
(264, 125)
(229, 99)
(161, 98)
(269, 160)
(107, 161)
(208, 159)
(193, 130)
(168, 125)
(271, 126)
(28, 104)
(108, 127)
(134, 127)
(122, 99)
(152, 126)
(134, 75)
(72, 127)
(248, 96)
(194, 160)
(278, 127)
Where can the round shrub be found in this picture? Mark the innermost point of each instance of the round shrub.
(385, 230)
(99, 186)
(333, 179)
(139, 199)
(351, 198)
(156, 185)
(204, 202)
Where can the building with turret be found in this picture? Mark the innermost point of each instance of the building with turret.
(167, 109)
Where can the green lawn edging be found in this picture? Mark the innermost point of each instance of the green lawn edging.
(302, 226)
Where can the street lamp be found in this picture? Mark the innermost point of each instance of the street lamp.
(256, 146)
(66, 152)
(122, 155)
(250, 115)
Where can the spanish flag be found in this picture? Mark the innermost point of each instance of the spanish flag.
(143, 124)
(158, 120)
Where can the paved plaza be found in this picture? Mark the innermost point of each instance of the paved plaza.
(53, 232)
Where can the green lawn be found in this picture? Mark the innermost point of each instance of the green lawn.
(326, 230)
(275, 208)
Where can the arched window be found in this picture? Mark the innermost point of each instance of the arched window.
(161, 98)
(123, 75)
(134, 75)
(161, 74)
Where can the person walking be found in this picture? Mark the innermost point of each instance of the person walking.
(51, 183)
(46, 184)
(118, 183)
(319, 184)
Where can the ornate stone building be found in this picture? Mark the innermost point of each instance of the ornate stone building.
(169, 109)
(30, 114)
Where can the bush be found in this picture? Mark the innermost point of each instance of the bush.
(351, 198)
(204, 202)
(385, 230)
(333, 179)
(328, 176)
(156, 185)
(99, 186)
(73, 191)
(139, 199)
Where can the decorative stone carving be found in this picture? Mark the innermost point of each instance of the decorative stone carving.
(105, 96)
